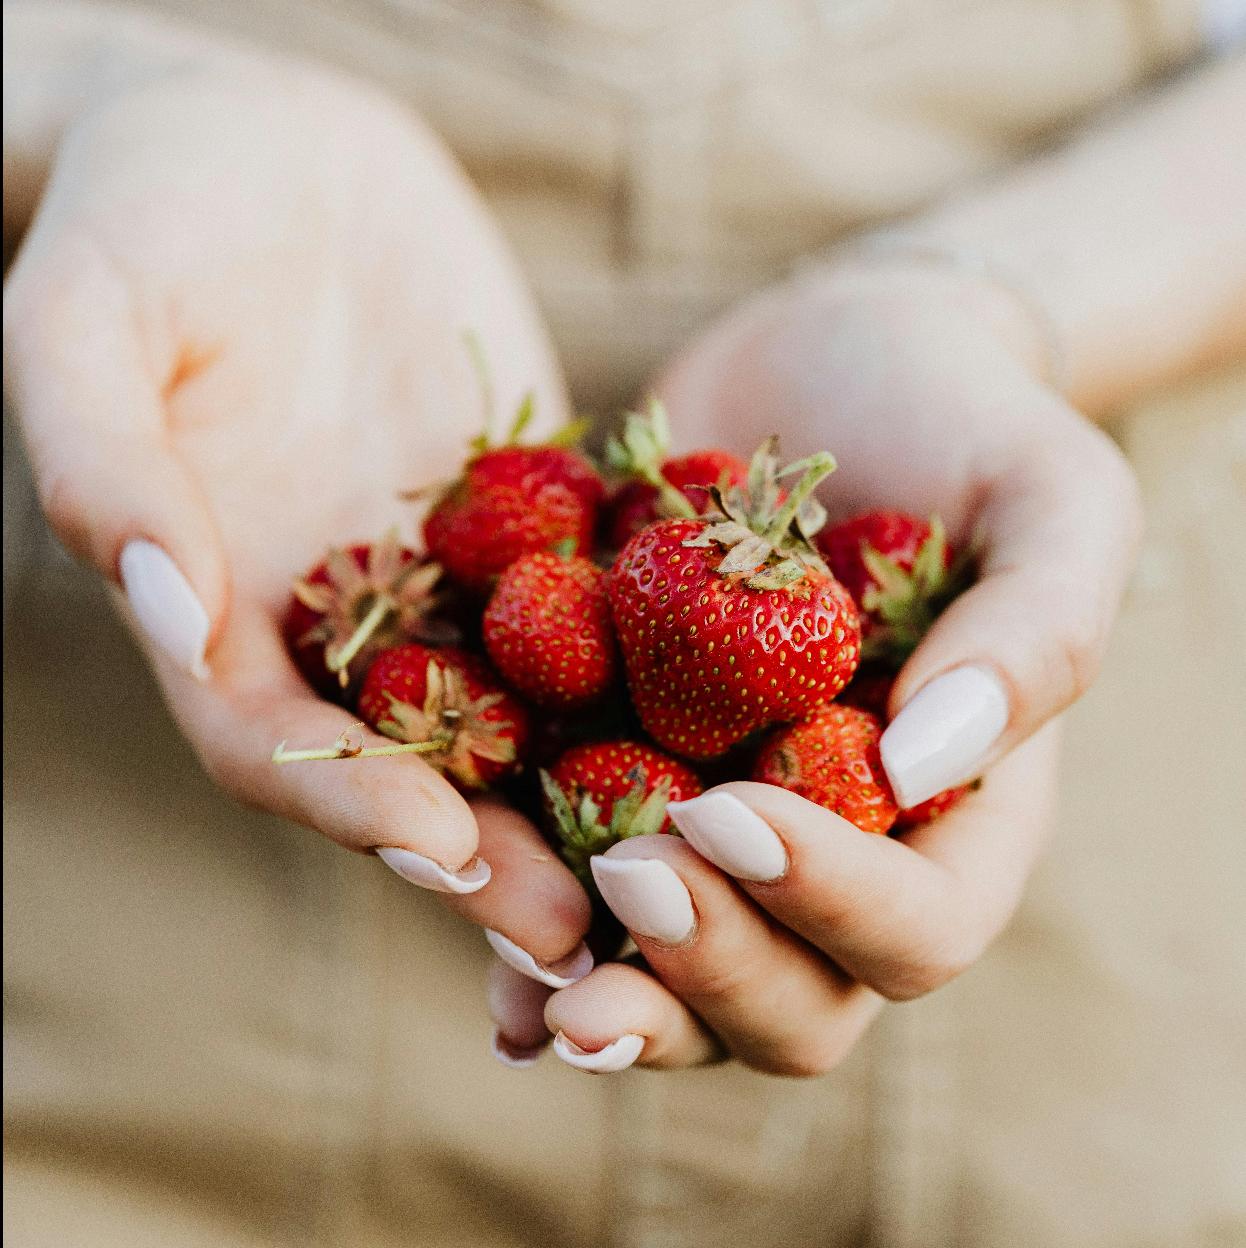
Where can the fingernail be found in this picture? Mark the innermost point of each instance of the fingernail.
(647, 897)
(167, 608)
(557, 974)
(721, 828)
(432, 875)
(517, 1057)
(943, 733)
(617, 1055)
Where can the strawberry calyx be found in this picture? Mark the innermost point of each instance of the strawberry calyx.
(768, 534)
(392, 598)
(455, 720)
(904, 604)
(577, 819)
(638, 453)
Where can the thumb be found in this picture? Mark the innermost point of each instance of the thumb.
(89, 393)
(1061, 521)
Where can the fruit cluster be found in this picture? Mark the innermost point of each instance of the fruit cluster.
(597, 643)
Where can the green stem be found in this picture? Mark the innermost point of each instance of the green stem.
(818, 468)
(340, 660)
(674, 501)
(282, 755)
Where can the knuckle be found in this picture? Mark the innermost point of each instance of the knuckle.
(918, 976)
(808, 1057)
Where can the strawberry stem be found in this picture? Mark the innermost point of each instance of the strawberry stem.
(339, 661)
(816, 469)
(342, 749)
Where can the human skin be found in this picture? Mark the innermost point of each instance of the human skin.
(246, 281)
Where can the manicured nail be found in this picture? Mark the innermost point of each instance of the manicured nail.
(721, 828)
(943, 733)
(516, 1056)
(557, 974)
(432, 875)
(167, 608)
(617, 1055)
(647, 897)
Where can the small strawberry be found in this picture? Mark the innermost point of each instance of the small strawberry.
(901, 573)
(732, 622)
(416, 694)
(832, 759)
(933, 807)
(641, 453)
(596, 795)
(870, 690)
(359, 601)
(512, 500)
(548, 631)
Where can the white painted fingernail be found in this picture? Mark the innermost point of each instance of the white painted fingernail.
(517, 1057)
(617, 1055)
(517, 1008)
(167, 608)
(647, 897)
(721, 828)
(943, 733)
(432, 875)
(557, 975)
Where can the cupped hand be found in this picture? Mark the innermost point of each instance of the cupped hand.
(233, 334)
(775, 929)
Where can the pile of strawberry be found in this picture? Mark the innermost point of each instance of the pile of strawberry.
(596, 643)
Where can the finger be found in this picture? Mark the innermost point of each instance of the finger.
(88, 388)
(535, 912)
(772, 999)
(619, 1016)
(517, 1007)
(1062, 523)
(398, 807)
(903, 916)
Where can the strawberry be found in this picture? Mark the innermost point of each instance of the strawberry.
(548, 631)
(933, 807)
(832, 759)
(732, 622)
(901, 574)
(870, 690)
(512, 500)
(598, 794)
(416, 694)
(641, 452)
(359, 601)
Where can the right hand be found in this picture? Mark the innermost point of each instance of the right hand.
(234, 333)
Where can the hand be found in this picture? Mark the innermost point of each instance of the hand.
(232, 336)
(775, 929)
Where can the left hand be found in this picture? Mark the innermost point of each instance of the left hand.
(924, 385)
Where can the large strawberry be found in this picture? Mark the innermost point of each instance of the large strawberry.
(732, 622)
(641, 453)
(832, 759)
(512, 500)
(416, 694)
(548, 631)
(359, 601)
(596, 795)
(900, 571)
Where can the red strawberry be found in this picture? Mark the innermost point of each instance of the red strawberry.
(870, 690)
(731, 623)
(933, 807)
(598, 794)
(547, 630)
(901, 574)
(359, 601)
(512, 500)
(413, 693)
(641, 452)
(832, 759)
